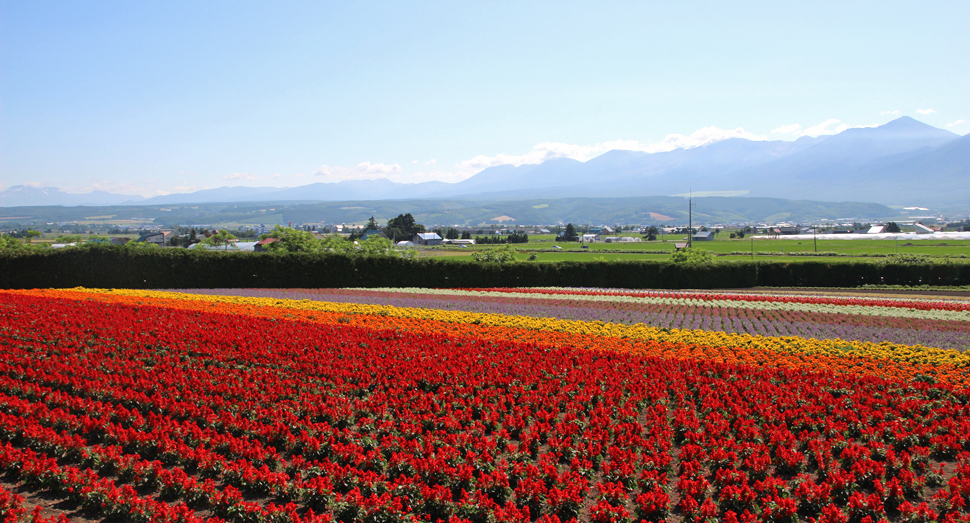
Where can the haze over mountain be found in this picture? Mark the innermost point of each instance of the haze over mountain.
(904, 162)
(25, 195)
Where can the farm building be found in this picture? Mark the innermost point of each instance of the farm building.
(702, 236)
(370, 232)
(427, 238)
(157, 238)
(622, 239)
(262, 245)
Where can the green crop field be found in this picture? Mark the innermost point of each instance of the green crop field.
(933, 247)
(544, 246)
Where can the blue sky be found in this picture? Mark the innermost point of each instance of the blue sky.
(159, 97)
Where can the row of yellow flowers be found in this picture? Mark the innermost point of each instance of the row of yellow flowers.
(788, 344)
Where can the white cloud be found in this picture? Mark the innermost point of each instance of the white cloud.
(332, 172)
(363, 171)
(431, 162)
(392, 172)
(830, 126)
(549, 150)
(884, 113)
(956, 123)
(242, 176)
(788, 129)
(277, 175)
(825, 128)
(368, 168)
(926, 111)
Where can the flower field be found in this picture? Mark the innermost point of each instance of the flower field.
(481, 406)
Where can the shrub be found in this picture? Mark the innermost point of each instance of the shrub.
(692, 256)
(504, 254)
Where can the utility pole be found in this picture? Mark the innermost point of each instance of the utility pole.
(815, 237)
(690, 221)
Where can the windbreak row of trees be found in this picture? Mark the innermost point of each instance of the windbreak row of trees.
(450, 233)
(515, 237)
(116, 267)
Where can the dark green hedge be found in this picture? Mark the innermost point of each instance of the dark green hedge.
(115, 267)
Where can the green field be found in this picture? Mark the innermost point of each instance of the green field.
(726, 249)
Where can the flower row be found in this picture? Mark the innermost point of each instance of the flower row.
(949, 364)
(748, 297)
(945, 334)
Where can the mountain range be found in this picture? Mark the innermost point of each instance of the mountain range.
(904, 162)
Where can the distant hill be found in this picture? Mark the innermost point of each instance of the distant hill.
(904, 162)
(642, 210)
(20, 195)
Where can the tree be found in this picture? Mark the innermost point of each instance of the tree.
(569, 234)
(188, 239)
(448, 233)
(466, 235)
(893, 227)
(291, 240)
(403, 227)
(372, 224)
(381, 247)
(96, 239)
(335, 243)
(71, 238)
(219, 239)
(652, 233)
(9, 243)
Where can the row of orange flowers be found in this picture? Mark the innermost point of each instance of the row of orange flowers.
(852, 358)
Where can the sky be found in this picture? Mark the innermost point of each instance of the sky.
(153, 98)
